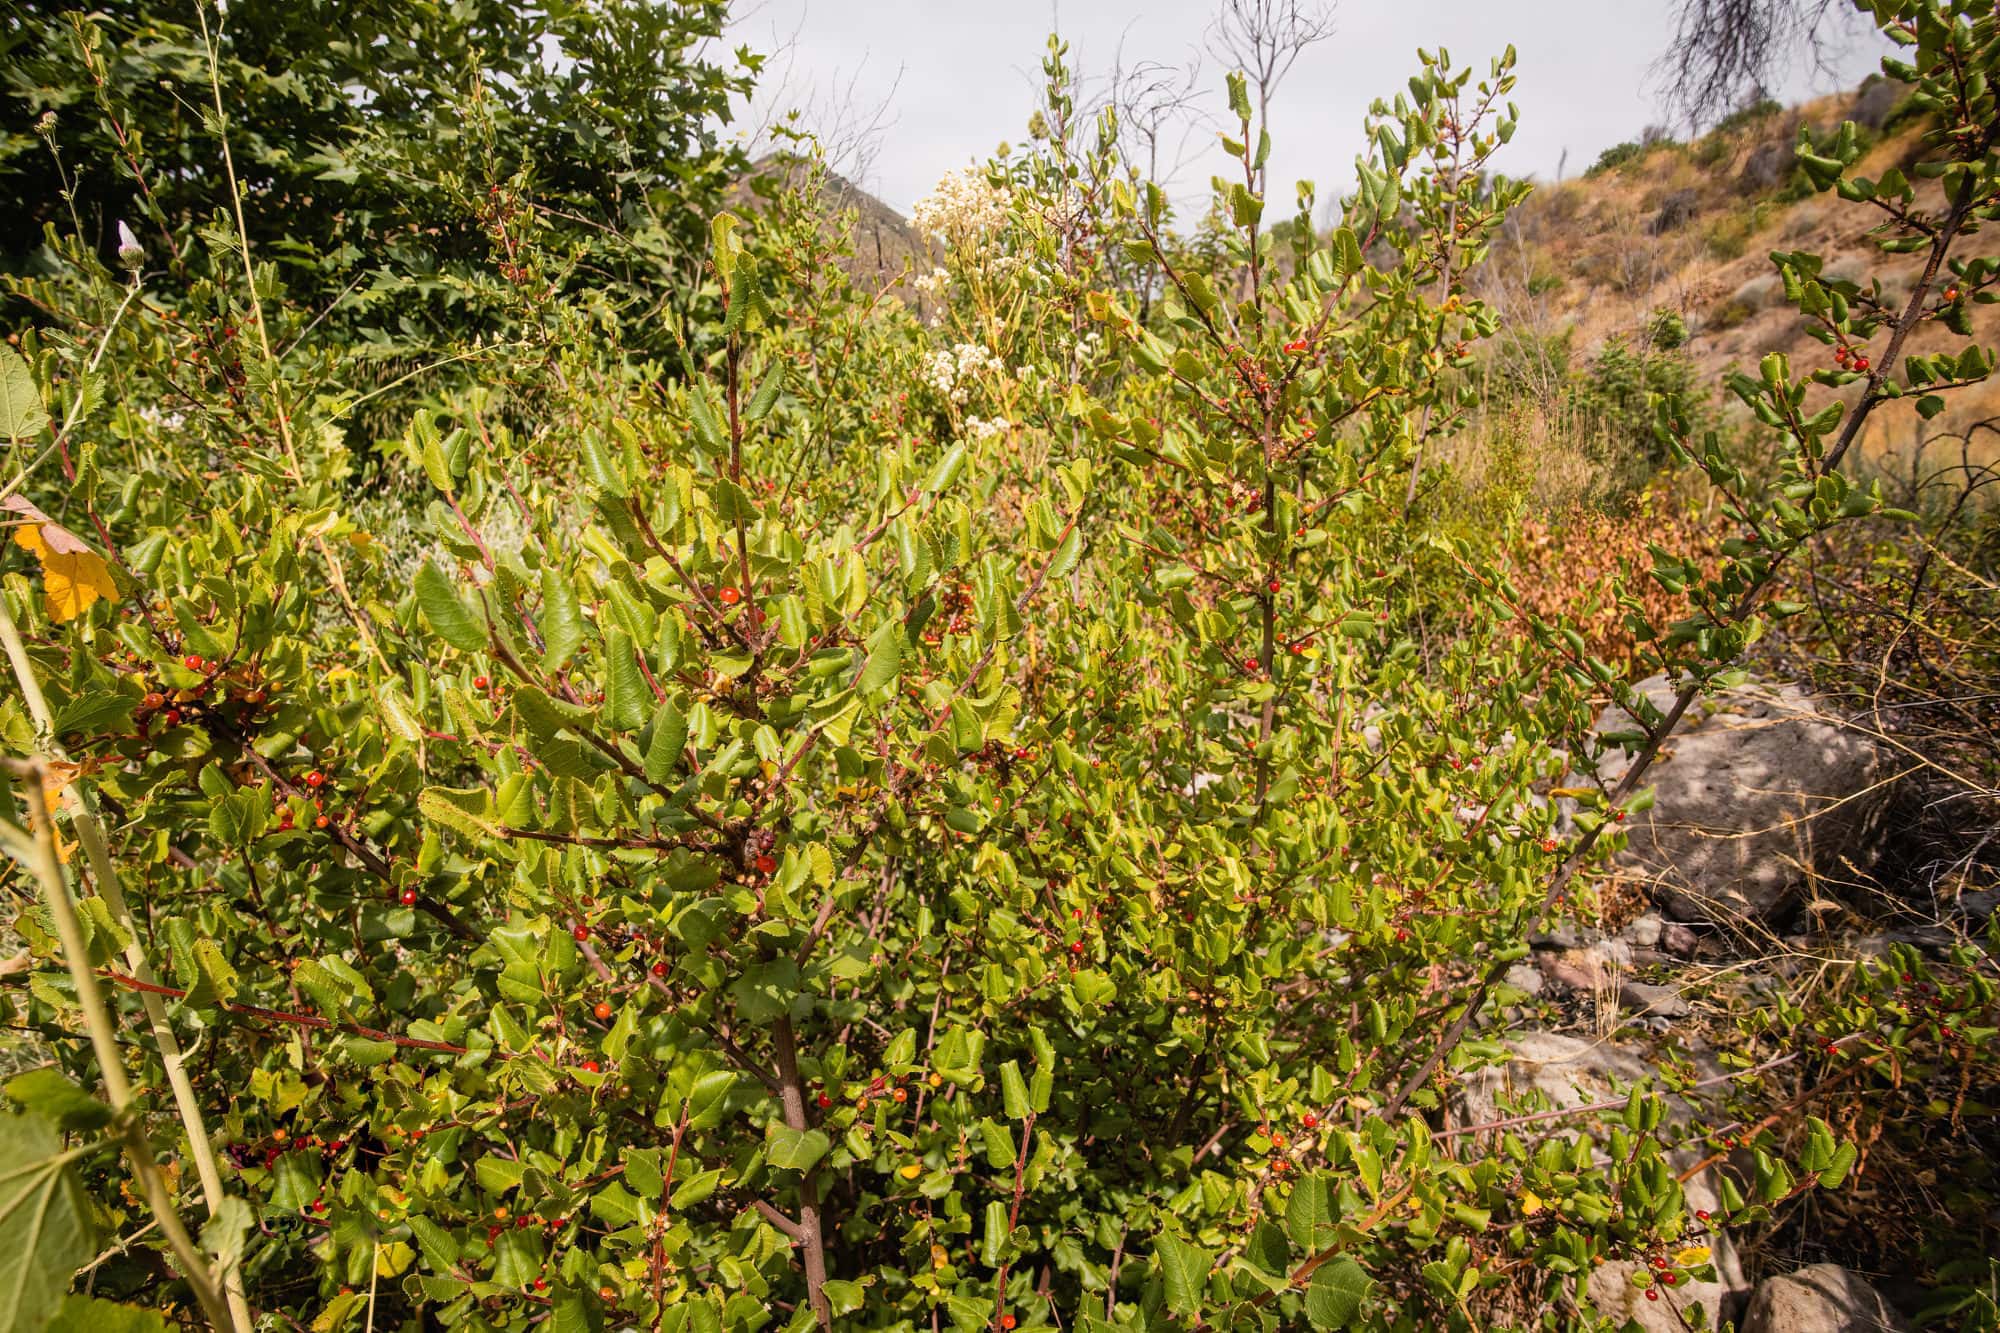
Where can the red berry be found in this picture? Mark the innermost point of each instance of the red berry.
(602, 1010)
(1652, 1293)
(1701, 1214)
(315, 779)
(154, 700)
(1861, 363)
(824, 1101)
(659, 969)
(320, 821)
(1273, 585)
(1309, 1120)
(541, 1284)
(579, 932)
(480, 682)
(191, 662)
(591, 1066)
(766, 864)
(172, 717)
(408, 897)
(1006, 1321)
(1076, 947)
(730, 596)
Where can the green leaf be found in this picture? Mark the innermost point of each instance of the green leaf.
(1185, 1269)
(454, 622)
(44, 1237)
(464, 812)
(92, 712)
(1014, 1091)
(796, 1149)
(560, 621)
(46, 1092)
(22, 416)
(627, 698)
(669, 739)
(1337, 1291)
(1309, 1211)
(709, 1099)
(90, 1314)
(885, 659)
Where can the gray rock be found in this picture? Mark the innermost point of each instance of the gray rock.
(1758, 293)
(1824, 1298)
(1979, 904)
(1524, 978)
(1678, 940)
(1676, 210)
(1644, 931)
(1756, 784)
(1568, 1071)
(1653, 1001)
(1878, 97)
(1615, 1294)
(1769, 165)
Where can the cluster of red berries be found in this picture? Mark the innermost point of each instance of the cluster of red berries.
(315, 782)
(954, 610)
(759, 848)
(1848, 358)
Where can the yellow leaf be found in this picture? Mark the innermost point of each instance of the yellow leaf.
(1531, 1203)
(1692, 1257)
(73, 575)
(911, 1170)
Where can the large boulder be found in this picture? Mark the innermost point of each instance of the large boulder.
(1757, 788)
(1824, 1298)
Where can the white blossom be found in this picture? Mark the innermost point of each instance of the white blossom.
(963, 207)
(952, 371)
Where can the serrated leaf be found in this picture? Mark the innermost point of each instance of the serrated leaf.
(1336, 1293)
(47, 1093)
(44, 1237)
(454, 622)
(885, 659)
(22, 416)
(796, 1149)
(626, 695)
(91, 1314)
(560, 621)
(1184, 1268)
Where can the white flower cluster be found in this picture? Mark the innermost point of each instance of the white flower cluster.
(933, 283)
(987, 428)
(963, 207)
(951, 370)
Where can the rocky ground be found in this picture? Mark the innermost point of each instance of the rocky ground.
(1769, 811)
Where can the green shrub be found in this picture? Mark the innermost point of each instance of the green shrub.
(1010, 821)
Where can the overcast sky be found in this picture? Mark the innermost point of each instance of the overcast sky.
(961, 78)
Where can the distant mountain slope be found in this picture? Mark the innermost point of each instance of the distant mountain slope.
(1689, 228)
(886, 249)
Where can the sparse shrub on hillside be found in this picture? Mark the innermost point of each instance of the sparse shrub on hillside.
(1616, 156)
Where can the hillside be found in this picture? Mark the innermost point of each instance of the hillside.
(1689, 228)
